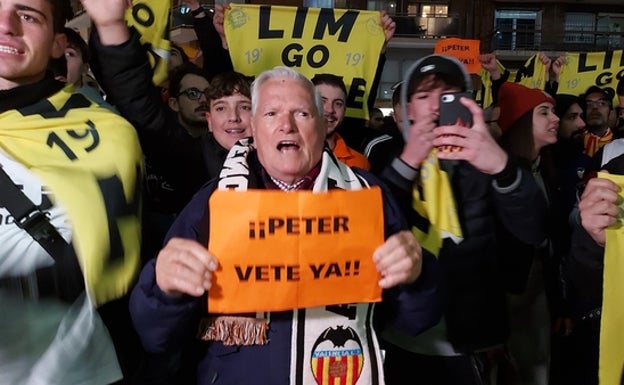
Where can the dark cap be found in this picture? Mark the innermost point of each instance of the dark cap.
(607, 93)
(450, 69)
(448, 66)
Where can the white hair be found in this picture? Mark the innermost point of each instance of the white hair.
(282, 72)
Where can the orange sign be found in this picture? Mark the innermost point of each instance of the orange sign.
(466, 50)
(283, 251)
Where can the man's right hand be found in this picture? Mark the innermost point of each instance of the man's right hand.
(108, 16)
(217, 21)
(185, 266)
(598, 207)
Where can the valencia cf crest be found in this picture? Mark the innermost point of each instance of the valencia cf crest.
(337, 357)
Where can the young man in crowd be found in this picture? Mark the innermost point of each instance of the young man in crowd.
(476, 187)
(70, 176)
(334, 95)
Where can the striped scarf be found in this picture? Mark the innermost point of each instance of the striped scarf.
(592, 143)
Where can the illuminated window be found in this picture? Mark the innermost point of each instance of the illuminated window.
(434, 11)
(319, 3)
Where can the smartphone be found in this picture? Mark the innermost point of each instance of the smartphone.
(452, 111)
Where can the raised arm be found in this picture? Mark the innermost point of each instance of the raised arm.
(211, 39)
(121, 66)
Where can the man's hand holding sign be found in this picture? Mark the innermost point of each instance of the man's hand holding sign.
(303, 256)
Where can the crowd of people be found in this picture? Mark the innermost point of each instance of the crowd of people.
(489, 262)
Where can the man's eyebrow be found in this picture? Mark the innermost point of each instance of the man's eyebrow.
(22, 7)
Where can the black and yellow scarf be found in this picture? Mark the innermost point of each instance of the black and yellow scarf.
(91, 161)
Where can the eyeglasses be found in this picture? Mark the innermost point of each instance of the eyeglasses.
(193, 93)
(600, 103)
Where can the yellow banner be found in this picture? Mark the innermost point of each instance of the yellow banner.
(343, 42)
(583, 70)
(281, 251)
(151, 19)
(611, 332)
(580, 71)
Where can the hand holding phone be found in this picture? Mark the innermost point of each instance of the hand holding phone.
(452, 112)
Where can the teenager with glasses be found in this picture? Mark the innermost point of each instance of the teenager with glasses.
(598, 106)
(194, 93)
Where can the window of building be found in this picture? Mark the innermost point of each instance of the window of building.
(433, 10)
(426, 9)
(381, 5)
(576, 24)
(319, 4)
(517, 29)
(613, 26)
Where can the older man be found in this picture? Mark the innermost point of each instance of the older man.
(288, 153)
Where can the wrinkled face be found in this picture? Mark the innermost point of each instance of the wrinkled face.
(191, 111)
(334, 105)
(288, 131)
(571, 122)
(229, 119)
(598, 109)
(75, 66)
(27, 41)
(545, 125)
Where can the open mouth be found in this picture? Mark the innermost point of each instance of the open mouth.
(287, 145)
(9, 50)
(235, 131)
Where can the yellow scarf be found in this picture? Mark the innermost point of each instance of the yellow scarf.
(434, 201)
(90, 159)
(593, 143)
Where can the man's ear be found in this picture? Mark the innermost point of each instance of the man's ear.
(209, 120)
(173, 104)
(58, 45)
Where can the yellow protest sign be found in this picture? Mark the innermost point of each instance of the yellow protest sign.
(465, 50)
(611, 332)
(151, 20)
(283, 251)
(580, 71)
(343, 42)
(586, 69)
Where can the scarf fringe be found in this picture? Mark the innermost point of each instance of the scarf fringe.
(239, 331)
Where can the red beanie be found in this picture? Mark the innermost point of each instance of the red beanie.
(516, 100)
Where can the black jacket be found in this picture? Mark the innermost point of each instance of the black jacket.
(585, 266)
(477, 313)
(176, 164)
